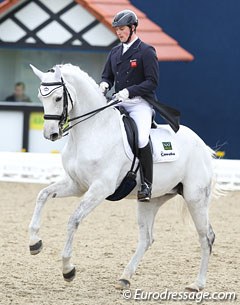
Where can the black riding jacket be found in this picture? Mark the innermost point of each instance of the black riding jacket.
(136, 70)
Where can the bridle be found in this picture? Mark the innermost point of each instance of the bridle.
(63, 118)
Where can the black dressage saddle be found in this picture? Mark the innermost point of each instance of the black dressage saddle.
(129, 181)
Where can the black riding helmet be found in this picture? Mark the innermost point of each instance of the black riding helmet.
(126, 18)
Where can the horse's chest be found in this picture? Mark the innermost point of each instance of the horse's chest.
(82, 169)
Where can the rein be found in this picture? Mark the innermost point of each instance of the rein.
(63, 118)
(89, 115)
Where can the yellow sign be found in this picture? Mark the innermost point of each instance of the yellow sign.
(36, 120)
(220, 154)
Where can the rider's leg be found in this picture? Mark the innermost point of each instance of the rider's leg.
(146, 161)
(141, 112)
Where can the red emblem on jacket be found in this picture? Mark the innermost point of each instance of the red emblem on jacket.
(133, 63)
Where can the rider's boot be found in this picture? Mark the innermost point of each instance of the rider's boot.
(146, 162)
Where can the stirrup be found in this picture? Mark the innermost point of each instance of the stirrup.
(144, 195)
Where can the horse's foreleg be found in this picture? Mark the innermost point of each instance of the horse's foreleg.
(146, 216)
(91, 199)
(61, 188)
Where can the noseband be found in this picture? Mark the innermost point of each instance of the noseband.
(63, 117)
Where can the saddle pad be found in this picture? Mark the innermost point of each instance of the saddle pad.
(163, 143)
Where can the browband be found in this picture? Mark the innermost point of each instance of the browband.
(45, 91)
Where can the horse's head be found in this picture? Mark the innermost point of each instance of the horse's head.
(58, 98)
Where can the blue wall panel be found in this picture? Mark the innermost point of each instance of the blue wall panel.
(207, 90)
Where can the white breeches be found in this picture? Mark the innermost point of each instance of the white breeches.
(141, 112)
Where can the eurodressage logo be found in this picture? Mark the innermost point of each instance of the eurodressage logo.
(167, 145)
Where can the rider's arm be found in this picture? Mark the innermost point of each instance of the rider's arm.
(107, 74)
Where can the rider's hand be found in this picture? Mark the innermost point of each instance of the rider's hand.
(104, 87)
(122, 95)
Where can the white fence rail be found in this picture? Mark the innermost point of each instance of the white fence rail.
(228, 174)
(46, 168)
(30, 167)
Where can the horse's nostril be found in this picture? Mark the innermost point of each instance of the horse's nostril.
(54, 136)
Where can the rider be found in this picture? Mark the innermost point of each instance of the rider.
(132, 66)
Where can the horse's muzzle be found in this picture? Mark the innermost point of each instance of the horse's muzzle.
(54, 136)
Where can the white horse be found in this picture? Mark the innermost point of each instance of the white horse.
(95, 163)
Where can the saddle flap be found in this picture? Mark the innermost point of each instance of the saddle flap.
(127, 185)
(132, 133)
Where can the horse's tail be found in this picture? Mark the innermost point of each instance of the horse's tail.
(218, 189)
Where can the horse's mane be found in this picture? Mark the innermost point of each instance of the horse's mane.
(70, 70)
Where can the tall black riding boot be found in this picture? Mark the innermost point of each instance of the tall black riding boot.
(146, 163)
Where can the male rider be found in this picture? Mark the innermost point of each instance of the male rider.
(132, 66)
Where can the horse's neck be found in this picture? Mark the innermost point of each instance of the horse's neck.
(88, 103)
(93, 133)
(88, 97)
(96, 136)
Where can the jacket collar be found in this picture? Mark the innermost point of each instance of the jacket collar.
(133, 49)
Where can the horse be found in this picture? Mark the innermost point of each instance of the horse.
(95, 163)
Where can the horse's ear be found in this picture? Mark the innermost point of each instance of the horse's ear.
(37, 72)
(58, 73)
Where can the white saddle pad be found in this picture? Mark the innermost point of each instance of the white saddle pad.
(164, 146)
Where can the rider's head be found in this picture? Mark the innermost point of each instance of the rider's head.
(125, 24)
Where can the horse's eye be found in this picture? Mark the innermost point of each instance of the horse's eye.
(58, 99)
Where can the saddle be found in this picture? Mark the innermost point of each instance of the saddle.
(129, 181)
(131, 129)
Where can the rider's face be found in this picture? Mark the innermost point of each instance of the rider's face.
(122, 33)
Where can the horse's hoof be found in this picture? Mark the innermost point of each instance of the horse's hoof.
(68, 277)
(193, 288)
(122, 284)
(35, 249)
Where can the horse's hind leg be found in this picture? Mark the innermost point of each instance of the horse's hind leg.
(146, 216)
(198, 203)
(61, 188)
